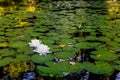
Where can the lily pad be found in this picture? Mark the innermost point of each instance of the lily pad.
(117, 39)
(91, 38)
(64, 36)
(98, 68)
(105, 39)
(82, 45)
(64, 55)
(18, 44)
(116, 67)
(3, 44)
(5, 61)
(7, 52)
(113, 44)
(2, 38)
(42, 58)
(58, 69)
(103, 55)
(55, 48)
(117, 61)
(69, 48)
(67, 41)
(21, 57)
(47, 41)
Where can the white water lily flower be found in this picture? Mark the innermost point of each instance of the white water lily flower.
(34, 43)
(42, 49)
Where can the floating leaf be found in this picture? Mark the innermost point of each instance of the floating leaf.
(91, 38)
(47, 41)
(103, 38)
(98, 68)
(31, 8)
(117, 39)
(18, 44)
(5, 61)
(42, 29)
(21, 24)
(64, 36)
(10, 34)
(117, 67)
(94, 44)
(52, 34)
(64, 55)
(113, 44)
(82, 45)
(21, 57)
(41, 58)
(3, 44)
(69, 48)
(103, 55)
(7, 52)
(2, 38)
(55, 48)
(58, 69)
(117, 61)
(2, 33)
(67, 41)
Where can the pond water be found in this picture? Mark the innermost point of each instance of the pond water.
(82, 36)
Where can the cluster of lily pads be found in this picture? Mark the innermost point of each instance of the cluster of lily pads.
(75, 41)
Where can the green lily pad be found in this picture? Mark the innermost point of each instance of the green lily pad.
(87, 30)
(117, 39)
(21, 57)
(7, 52)
(41, 29)
(117, 61)
(10, 34)
(42, 58)
(103, 55)
(113, 44)
(34, 34)
(64, 36)
(94, 45)
(102, 38)
(2, 33)
(18, 44)
(98, 68)
(55, 48)
(67, 41)
(52, 34)
(2, 38)
(5, 61)
(69, 48)
(82, 45)
(47, 41)
(64, 55)
(58, 69)
(116, 67)
(91, 38)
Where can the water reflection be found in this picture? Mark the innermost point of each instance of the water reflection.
(113, 7)
(11, 5)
